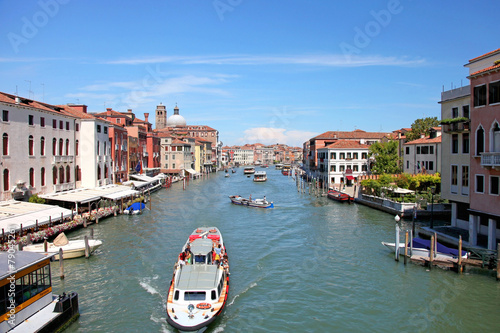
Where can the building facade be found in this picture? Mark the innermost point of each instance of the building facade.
(423, 155)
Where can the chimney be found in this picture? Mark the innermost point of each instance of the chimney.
(146, 116)
(129, 110)
(79, 107)
(108, 109)
(18, 100)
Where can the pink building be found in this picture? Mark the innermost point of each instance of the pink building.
(484, 75)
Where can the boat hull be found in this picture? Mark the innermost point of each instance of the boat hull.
(75, 249)
(339, 196)
(250, 203)
(421, 252)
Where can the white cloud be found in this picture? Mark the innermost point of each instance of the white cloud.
(270, 135)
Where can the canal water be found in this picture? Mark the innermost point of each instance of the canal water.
(308, 265)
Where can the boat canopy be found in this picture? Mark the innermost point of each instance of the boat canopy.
(201, 245)
(198, 277)
(426, 244)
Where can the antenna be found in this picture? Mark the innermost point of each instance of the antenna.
(43, 92)
(29, 91)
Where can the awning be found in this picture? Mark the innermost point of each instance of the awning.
(349, 177)
(191, 171)
(14, 213)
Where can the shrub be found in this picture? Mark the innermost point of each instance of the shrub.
(36, 199)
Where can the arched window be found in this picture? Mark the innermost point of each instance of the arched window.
(54, 175)
(76, 148)
(495, 138)
(61, 175)
(30, 145)
(106, 171)
(98, 146)
(6, 180)
(78, 175)
(98, 172)
(32, 177)
(54, 146)
(42, 177)
(67, 147)
(479, 141)
(42, 146)
(68, 174)
(61, 147)
(105, 152)
(5, 144)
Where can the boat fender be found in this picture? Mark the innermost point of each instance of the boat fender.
(203, 306)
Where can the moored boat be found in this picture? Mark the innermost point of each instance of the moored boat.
(200, 283)
(257, 203)
(260, 176)
(339, 196)
(71, 248)
(135, 208)
(421, 247)
(286, 169)
(27, 303)
(249, 170)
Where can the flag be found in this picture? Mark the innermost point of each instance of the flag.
(138, 167)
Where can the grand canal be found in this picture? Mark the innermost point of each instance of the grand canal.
(308, 265)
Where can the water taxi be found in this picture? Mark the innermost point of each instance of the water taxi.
(249, 170)
(200, 284)
(257, 203)
(26, 302)
(286, 169)
(339, 196)
(260, 176)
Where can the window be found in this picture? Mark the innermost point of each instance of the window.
(194, 295)
(54, 146)
(98, 128)
(42, 177)
(465, 111)
(67, 147)
(118, 120)
(61, 175)
(54, 175)
(342, 168)
(465, 176)
(42, 121)
(355, 156)
(30, 146)
(465, 143)
(348, 155)
(61, 124)
(333, 168)
(355, 168)
(479, 141)
(6, 180)
(454, 112)
(31, 120)
(494, 89)
(76, 148)
(454, 144)
(480, 95)
(407, 164)
(42, 146)
(418, 150)
(494, 182)
(5, 144)
(5, 115)
(32, 177)
(61, 147)
(342, 156)
(68, 174)
(78, 174)
(407, 150)
(173, 165)
(333, 156)
(364, 167)
(364, 156)
(479, 183)
(77, 127)
(431, 165)
(431, 150)
(67, 126)
(105, 130)
(425, 150)
(454, 175)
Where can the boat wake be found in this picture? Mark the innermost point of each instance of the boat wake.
(146, 284)
(252, 285)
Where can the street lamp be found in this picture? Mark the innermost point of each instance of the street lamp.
(433, 190)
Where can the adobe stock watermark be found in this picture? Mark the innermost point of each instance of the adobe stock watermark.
(223, 6)
(30, 27)
(363, 36)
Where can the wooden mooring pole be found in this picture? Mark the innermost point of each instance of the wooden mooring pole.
(498, 261)
(87, 248)
(459, 265)
(406, 247)
(61, 263)
(431, 253)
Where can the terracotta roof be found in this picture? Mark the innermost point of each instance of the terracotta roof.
(424, 140)
(347, 144)
(111, 113)
(11, 99)
(357, 134)
(77, 113)
(170, 170)
(484, 55)
(178, 142)
(484, 70)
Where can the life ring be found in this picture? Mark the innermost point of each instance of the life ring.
(203, 306)
(213, 230)
(199, 231)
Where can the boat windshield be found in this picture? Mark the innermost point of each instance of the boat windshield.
(194, 295)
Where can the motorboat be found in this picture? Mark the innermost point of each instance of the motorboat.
(260, 176)
(339, 196)
(249, 170)
(29, 304)
(233, 171)
(421, 247)
(71, 248)
(257, 203)
(286, 169)
(199, 287)
(135, 208)
(227, 175)
(279, 166)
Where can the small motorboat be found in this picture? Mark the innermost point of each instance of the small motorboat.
(227, 175)
(200, 283)
(339, 196)
(422, 247)
(257, 203)
(71, 248)
(233, 171)
(135, 208)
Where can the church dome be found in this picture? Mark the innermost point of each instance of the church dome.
(176, 119)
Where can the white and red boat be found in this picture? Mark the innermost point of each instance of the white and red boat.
(339, 196)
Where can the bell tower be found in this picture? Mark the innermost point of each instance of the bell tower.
(161, 117)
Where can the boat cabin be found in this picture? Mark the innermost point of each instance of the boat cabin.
(260, 176)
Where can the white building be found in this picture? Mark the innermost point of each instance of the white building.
(243, 156)
(343, 162)
(38, 147)
(424, 154)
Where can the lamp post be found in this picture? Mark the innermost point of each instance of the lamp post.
(433, 190)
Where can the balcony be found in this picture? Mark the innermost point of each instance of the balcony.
(455, 125)
(63, 159)
(490, 160)
(64, 187)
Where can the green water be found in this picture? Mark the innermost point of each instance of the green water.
(308, 265)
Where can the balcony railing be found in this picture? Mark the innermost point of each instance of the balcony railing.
(490, 160)
(456, 127)
(63, 159)
(64, 187)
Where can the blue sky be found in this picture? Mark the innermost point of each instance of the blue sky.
(257, 71)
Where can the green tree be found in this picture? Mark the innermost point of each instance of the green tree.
(36, 199)
(421, 126)
(386, 157)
